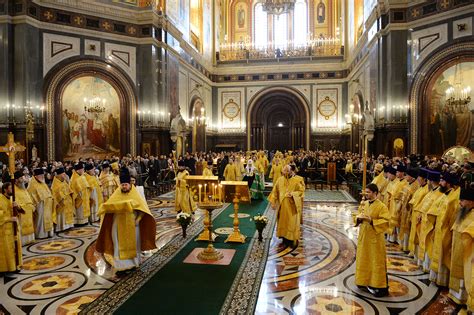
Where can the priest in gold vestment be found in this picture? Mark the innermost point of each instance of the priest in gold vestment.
(395, 205)
(275, 171)
(24, 201)
(380, 180)
(392, 181)
(406, 208)
(415, 203)
(81, 197)
(230, 171)
(207, 170)
(183, 199)
(107, 181)
(10, 242)
(464, 218)
(96, 198)
(371, 265)
(446, 215)
(128, 228)
(63, 204)
(428, 220)
(287, 199)
(44, 215)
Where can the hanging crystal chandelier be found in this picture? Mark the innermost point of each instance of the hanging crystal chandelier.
(277, 7)
(458, 96)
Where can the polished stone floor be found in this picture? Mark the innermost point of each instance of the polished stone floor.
(63, 274)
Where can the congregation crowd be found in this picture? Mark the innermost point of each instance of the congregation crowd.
(422, 203)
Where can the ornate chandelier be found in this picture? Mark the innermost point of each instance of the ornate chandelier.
(457, 96)
(277, 7)
(95, 104)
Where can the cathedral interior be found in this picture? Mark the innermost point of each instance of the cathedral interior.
(84, 79)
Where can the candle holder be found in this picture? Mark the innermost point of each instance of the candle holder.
(209, 253)
(236, 236)
(207, 233)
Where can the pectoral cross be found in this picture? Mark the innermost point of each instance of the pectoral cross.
(10, 149)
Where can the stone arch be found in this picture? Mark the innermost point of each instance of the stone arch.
(436, 63)
(271, 101)
(62, 75)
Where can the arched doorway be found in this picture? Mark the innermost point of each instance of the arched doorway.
(435, 122)
(198, 115)
(90, 106)
(355, 110)
(278, 119)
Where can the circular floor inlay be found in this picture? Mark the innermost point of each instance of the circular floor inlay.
(57, 245)
(85, 231)
(42, 263)
(224, 230)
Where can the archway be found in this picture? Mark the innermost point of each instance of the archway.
(198, 116)
(355, 110)
(278, 119)
(90, 106)
(428, 112)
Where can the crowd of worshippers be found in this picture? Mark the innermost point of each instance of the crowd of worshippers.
(424, 208)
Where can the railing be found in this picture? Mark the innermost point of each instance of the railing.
(235, 53)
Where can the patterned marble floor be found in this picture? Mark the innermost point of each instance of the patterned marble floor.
(63, 274)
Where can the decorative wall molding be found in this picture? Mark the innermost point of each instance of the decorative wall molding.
(462, 28)
(57, 48)
(425, 41)
(92, 47)
(124, 57)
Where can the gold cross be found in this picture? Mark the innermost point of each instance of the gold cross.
(10, 149)
(415, 13)
(48, 15)
(132, 30)
(106, 25)
(78, 20)
(444, 4)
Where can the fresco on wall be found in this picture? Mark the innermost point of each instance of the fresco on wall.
(241, 16)
(451, 125)
(90, 133)
(322, 11)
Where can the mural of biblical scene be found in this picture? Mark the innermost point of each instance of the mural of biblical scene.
(450, 108)
(90, 119)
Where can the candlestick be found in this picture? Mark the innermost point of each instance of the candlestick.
(220, 192)
(205, 189)
(200, 192)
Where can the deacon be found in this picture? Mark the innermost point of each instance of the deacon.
(107, 181)
(371, 266)
(43, 200)
(464, 219)
(96, 198)
(128, 228)
(63, 204)
(446, 214)
(10, 242)
(24, 201)
(406, 209)
(392, 181)
(427, 220)
(415, 203)
(81, 197)
(287, 199)
(183, 199)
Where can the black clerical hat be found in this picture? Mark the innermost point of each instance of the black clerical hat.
(105, 165)
(412, 172)
(451, 178)
(181, 163)
(125, 176)
(19, 174)
(423, 173)
(60, 171)
(79, 166)
(392, 170)
(433, 176)
(89, 166)
(38, 171)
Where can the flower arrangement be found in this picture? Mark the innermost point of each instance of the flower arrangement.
(260, 223)
(184, 218)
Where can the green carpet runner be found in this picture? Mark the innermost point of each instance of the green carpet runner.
(180, 288)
